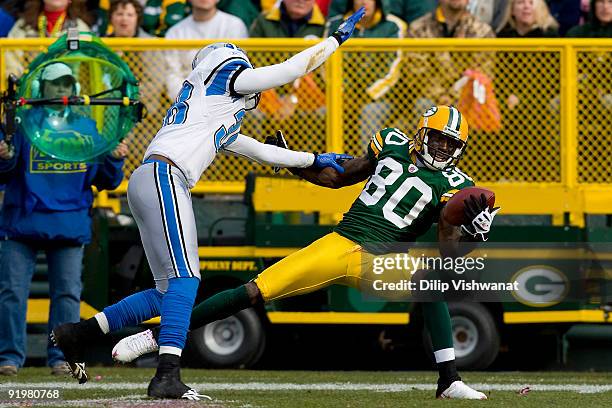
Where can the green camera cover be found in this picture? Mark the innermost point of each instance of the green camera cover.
(79, 129)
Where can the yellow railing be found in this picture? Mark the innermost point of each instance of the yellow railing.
(550, 153)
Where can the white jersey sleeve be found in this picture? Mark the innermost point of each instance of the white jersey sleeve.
(260, 79)
(249, 148)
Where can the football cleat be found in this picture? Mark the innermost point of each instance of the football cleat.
(66, 337)
(171, 387)
(134, 346)
(459, 390)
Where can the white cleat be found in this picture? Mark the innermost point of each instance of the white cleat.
(459, 390)
(134, 346)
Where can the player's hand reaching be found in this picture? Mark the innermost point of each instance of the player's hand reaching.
(348, 26)
(479, 218)
(331, 160)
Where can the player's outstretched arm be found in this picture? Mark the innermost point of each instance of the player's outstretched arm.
(249, 148)
(260, 79)
(280, 156)
(355, 170)
(343, 170)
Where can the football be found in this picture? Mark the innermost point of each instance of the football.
(453, 211)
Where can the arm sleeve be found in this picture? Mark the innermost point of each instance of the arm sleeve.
(251, 149)
(109, 174)
(259, 79)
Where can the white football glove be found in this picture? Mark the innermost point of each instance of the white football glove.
(479, 218)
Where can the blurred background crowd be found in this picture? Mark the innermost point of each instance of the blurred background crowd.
(300, 18)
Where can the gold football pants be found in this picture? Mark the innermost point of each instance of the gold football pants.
(329, 260)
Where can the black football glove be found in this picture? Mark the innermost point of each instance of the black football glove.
(277, 140)
(478, 218)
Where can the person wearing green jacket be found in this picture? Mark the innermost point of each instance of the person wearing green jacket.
(407, 10)
(244, 10)
(599, 24)
(384, 67)
(290, 18)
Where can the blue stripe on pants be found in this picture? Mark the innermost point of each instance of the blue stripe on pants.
(169, 214)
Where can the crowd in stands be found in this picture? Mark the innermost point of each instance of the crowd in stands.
(204, 19)
(299, 18)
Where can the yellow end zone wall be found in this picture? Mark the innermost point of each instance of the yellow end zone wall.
(38, 312)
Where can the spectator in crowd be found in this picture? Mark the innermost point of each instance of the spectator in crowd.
(8, 15)
(376, 23)
(407, 10)
(410, 10)
(491, 12)
(528, 19)
(290, 18)
(47, 207)
(126, 18)
(243, 9)
(205, 21)
(45, 18)
(158, 15)
(566, 12)
(599, 24)
(451, 19)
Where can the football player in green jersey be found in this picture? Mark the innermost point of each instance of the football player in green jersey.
(410, 179)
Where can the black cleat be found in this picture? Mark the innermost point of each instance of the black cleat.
(170, 386)
(167, 381)
(65, 336)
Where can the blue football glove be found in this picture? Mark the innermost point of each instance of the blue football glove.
(330, 160)
(348, 26)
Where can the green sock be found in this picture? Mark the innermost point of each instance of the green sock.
(219, 306)
(437, 320)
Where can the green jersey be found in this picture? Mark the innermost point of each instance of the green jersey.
(401, 200)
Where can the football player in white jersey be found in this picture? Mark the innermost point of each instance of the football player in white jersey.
(204, 120)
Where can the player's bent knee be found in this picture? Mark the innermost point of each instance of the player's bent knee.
(254, 293)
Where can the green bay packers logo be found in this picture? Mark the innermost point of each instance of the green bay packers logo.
(540, 286)
(430, 112)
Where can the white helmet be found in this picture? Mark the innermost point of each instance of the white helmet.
(204, 52)
(252, 100)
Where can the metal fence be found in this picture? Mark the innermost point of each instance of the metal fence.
(540, 110)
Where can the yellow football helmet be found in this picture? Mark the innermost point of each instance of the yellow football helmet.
(441, 137)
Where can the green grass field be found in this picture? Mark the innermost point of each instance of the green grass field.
(126, 387)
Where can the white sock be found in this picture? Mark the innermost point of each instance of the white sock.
(443, 355)
(170, 350)
(102, 322)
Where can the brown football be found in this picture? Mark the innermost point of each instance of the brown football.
(453, 211)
